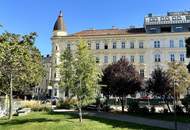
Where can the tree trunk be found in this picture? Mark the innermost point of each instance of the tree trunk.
(10, 99)
(122, 103)
(80, 114)
(167, 103)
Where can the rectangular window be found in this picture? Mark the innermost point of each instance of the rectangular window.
(106, 46)
(182, 57)
(123, 45)
(69, 46)
(172, 57)
(123, 57)
(105, 59)
(181, 44)
(97, 46)
(171, 43)
(114, 59)
(89, 45)
(131, 45)
(157, 58)
(97, 60)
(141, 45)
(156, 44)
(132, 58)
(142, 73)
(141, 59)
(114, 45)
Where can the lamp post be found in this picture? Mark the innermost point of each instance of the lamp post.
(175, 121)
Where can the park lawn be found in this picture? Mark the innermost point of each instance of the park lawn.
(66, 121)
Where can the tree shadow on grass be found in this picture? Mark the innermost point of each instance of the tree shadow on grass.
(113, 123)
(23, 121)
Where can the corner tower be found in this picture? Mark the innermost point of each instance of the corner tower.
(59, 28)
(59, 31)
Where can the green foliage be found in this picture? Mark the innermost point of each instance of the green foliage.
(67, 70)
(80, 74)
(36, 106)
(67, 103)
(179, 109)
(179, 76)
(121, 79)
(20, 64)
(186, 103)
(133, 106)
(153, 110)
(159, 83)
(21, 59)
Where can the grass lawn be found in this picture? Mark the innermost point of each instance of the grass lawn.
(66, 121)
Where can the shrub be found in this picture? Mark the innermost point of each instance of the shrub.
(133, 106)
(179, 109)
(152, 110)
(106, 108)
(165, 111)
(36, 105)
(67, 103)
(144, 110)
(186, 103)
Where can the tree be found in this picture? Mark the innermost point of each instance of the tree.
(123, 79)
(20, 64)
(67, 70)
(187, 45)
(106, 88)
(180, 77)
(160, 84)
(85, 76)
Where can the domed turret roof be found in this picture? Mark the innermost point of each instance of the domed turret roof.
(59, 24)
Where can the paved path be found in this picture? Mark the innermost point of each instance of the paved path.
(138, 120)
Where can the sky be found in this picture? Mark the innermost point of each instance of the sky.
(25, 16)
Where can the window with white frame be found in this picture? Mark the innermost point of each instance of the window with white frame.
(141, 45)
(141, 59)
(182, 57)
(105, 59)
(132, 59)
(157, 58)
(142, 73)
(132, 45)
(156, 44)
(123, 45)
(123, 57)
(69, 46)
(114, 59)
(97, 46)
(172, 57)
(181, 44)
(171, 43)
(114, 45)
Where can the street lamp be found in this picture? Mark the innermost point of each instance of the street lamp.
(175, 121)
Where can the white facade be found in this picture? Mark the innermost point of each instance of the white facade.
(145, 50)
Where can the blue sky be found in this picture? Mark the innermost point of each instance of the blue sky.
(25, 16)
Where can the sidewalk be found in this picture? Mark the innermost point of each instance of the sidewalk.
(137, 120)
